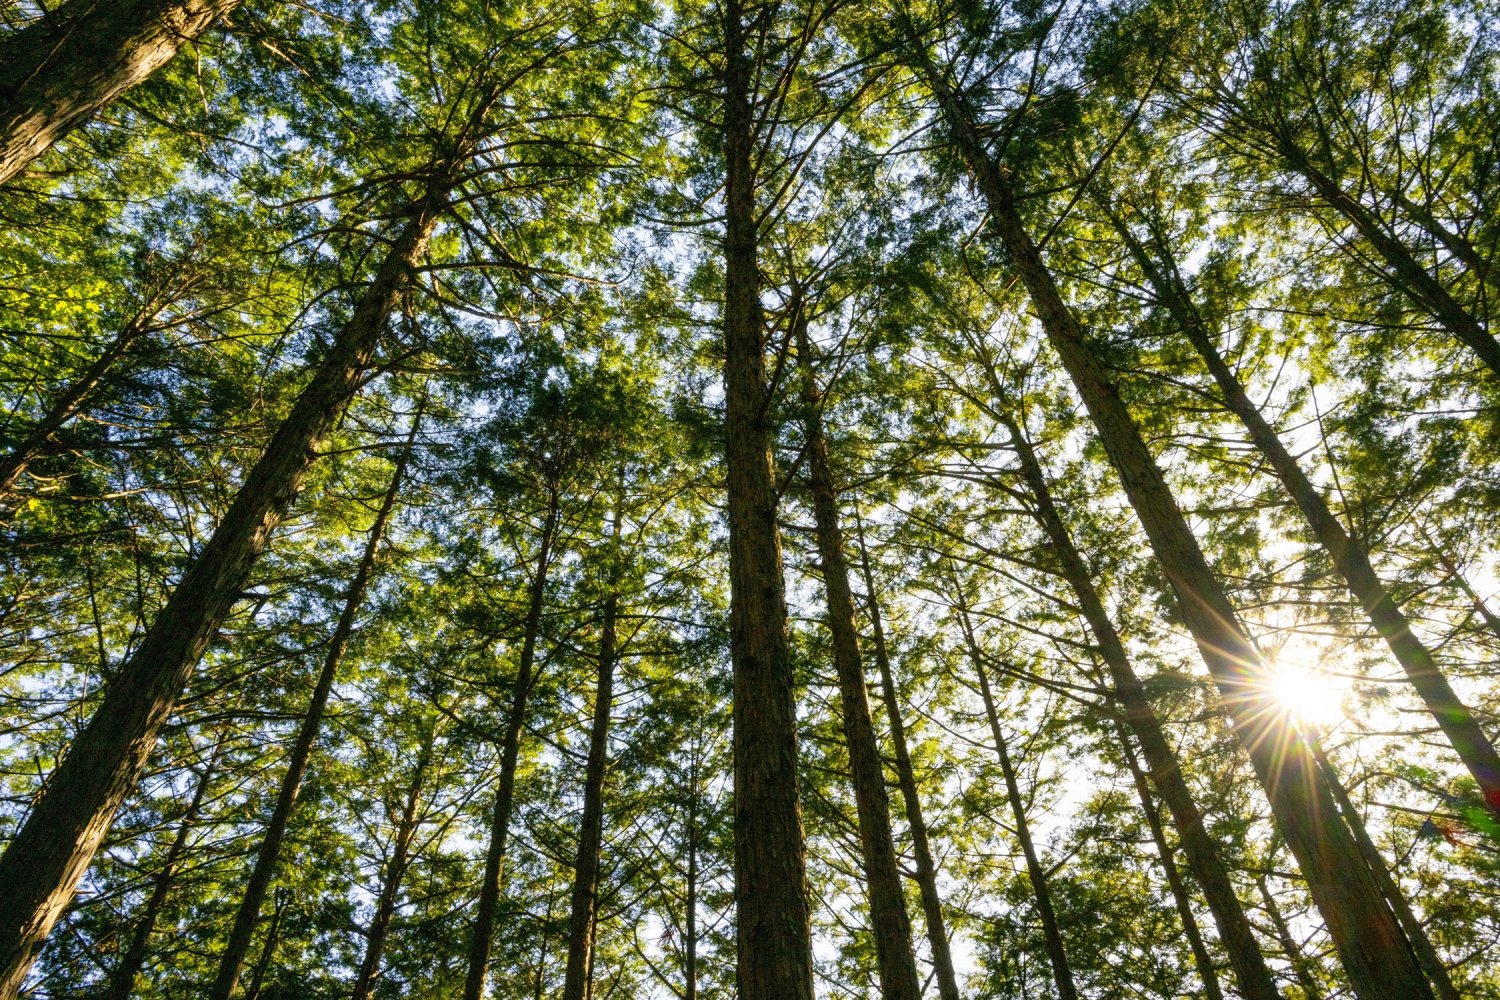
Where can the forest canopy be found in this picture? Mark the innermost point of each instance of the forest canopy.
(758, 499)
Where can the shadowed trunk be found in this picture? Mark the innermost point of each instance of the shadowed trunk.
(483, 933)
(773, 939)
(1349, 555)
(906, 777)
(1295, 956)
(888, 918)
(1057, 955)
(266, 856)
(42, 865)
(1374, 951)
(58, 71)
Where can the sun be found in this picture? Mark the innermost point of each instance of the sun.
(1306, 693)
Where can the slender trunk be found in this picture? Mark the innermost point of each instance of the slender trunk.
(1201, 852)
(122, 983)
(1349, 555)
(483, 934)
(67, 65)
(1432, 963)
(773, 940)
(390, 882)
(690, 946)
(43, 864)
(888, 918)
(1295, 957)
(65, 407)
(268, 949)
(906, 777)
(1369, 940)
(577, 984)
(1057, 955)
(1205, 963)
(261, 873)
(1406, 274)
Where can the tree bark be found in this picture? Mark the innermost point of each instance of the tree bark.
(889, 921)
(1349, 555)
(1057, 955)
(1201, 958)
(906, 778)
(483, 936)
(238, 947)
(391, 878)
(1295, 957)
(122, 982)
(577, 981)
(58, 71)
(50, 853)
(1202, 855)
(1374, 951)
(773, 941)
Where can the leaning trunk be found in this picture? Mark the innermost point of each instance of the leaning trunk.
(264, 869)
(906, 777)
(61, 69)
(888, 918)
(773, 941)
(48, 856)
(1370, 942)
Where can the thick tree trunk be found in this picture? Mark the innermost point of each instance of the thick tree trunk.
(122, 983)
(483, 934)
(238, 947)
(1202, 855)
(60, 70)
(1184, 903)
(1057, 955)
(1349, 555)
(773, 941)
(391, 878)
(906, 778)
(43, 864)
(1406, 273)
(1374, 951)
(888, 918)
(577, 984)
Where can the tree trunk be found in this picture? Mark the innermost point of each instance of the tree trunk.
(1349, 555)
(122, 983)
(391, 878)
(266, 857)
(1057, 955)
(268, 948)
(690, 929)
(906, 777)
(1294, 954)
(64, 67)
(510, 751)
(1205, 963)
(774, 941)
(1202, 855)
(50, 853)
(888, 918)
(577, 983)
(1373, 949)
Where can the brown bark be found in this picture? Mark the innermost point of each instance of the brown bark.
(1057, 955)
(889, 921)
(391, 878)
(1202, 854)
(483, 935)
(577, 981)
(1184, 903)
(1295, 957)
(43, 864)
(268, 947)
(1370, 943)
(1349, 555)
(774, 941)
(122, 982)
(269, 852)
(61, 69)
(906, 779)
